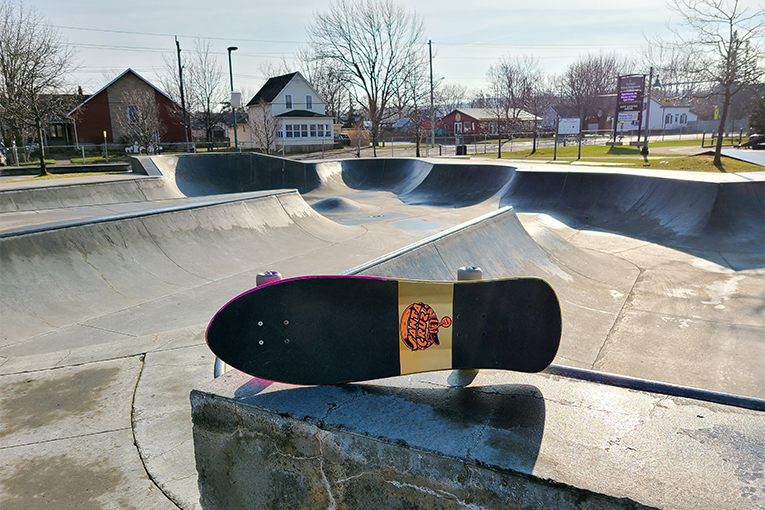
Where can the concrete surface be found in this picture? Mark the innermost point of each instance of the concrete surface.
(125, 274)
(508, 440)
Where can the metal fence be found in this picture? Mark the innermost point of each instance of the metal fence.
(84, 153)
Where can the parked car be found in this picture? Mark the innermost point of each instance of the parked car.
(757, 142)
(3, 157)
(342, 139)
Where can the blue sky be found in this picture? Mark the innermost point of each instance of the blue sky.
(467, 36)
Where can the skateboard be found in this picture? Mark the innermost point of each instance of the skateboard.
(338, 329)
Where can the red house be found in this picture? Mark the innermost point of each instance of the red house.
(471, 121)
(98, 113)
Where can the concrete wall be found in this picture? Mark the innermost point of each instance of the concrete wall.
(509, 440)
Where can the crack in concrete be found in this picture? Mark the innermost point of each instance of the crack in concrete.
(133, 422)
(438, 493)
(324, 479)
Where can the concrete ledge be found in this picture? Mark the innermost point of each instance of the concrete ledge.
(68, 169)
(508, 440)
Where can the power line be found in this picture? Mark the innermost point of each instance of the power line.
(163, 50)
(154, 34)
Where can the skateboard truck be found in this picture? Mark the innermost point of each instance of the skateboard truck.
(261, 279)
(461, 378)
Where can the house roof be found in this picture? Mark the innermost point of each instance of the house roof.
(301, 114)
(564, 111)
(128, 70)
(273, 86)
(271, 89)
(484, 114)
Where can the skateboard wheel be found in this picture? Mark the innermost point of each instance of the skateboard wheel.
(267, 277)
(469, 273)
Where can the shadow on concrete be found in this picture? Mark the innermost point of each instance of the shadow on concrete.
(501, 425)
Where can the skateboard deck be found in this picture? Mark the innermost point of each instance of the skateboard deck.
(338, 329)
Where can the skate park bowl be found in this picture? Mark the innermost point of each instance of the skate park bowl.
(660, 276)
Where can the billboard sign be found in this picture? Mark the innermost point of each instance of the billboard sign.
(629, 100)
(569, 126)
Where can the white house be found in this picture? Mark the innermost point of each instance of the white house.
(288, 113)
(670, 115)
(666, 115)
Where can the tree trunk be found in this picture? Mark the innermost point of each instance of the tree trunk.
(721, 130)
(43, 170)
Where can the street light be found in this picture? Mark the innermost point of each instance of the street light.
(233, 109)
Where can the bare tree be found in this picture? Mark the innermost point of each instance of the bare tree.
(34, 61)
(328, 78)
(372, 41)
(265, 127)
(726, 42)
(411, 99)
(203, 82)
(450, 96)
(205, 86)
(587, 82)
(511, 88)
(139, 119)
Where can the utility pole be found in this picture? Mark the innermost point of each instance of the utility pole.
(432, 107)
(183, 99)
(233, 109)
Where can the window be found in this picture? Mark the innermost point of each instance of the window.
(56, 131)
(133, 115)
(327, 130)
(668, 119)
(313, 130)
(304, 130)
(288, 100)
(683, 118)
(288, 130)
(308, 103)
(320, 130)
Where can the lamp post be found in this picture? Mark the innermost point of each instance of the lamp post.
(233, 110)
(432, 108)
(648, 112)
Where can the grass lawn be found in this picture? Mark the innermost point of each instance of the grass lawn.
(99, 159)
(37, 162)
(60, 176)
(629, 157)
(588, 151)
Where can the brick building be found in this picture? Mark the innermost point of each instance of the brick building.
(98, 113)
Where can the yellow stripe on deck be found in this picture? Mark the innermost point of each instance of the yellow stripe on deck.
(427, 355)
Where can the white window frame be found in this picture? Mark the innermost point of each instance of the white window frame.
(309, 102)
(288, 101)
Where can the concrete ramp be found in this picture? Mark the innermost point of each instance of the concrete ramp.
(592, 287)
(55, 281)
(682, 213)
